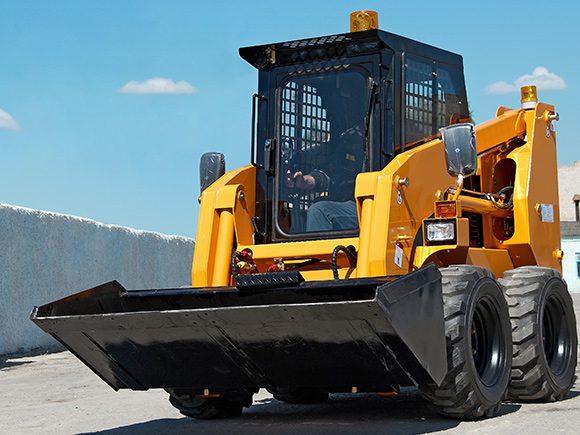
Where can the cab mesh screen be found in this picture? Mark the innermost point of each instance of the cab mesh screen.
(304, 128)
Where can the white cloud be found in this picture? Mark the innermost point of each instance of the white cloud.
(501, 88)
(158, 85)
(541, 77)
(7, 121)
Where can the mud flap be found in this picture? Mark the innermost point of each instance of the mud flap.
(368, 333)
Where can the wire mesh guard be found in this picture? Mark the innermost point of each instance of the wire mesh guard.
(432, 99)
(305, 128)
(316, 113)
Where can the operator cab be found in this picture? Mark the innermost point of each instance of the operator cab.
(331, 107)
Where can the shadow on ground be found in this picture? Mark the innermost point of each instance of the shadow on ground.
(7, 362)
(11, 360)
(367, 414)
(572, 394)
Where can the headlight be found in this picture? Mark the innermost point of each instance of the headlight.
(440, 231)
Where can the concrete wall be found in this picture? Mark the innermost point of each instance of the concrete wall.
(45, 256)
(571, 247)
(568, 186)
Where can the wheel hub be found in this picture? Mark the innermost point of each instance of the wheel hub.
(555, 335)
(487, 342)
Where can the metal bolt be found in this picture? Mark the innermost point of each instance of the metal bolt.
(403, 181)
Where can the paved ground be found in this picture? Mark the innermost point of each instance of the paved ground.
(55, 393)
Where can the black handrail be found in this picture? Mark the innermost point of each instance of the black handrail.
(255, 98)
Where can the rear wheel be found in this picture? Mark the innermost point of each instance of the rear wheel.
(304, 395)
(544, 334)
(208, 408)
(478, 336)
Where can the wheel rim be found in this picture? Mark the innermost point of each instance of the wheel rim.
(487, 342)
(556, 335)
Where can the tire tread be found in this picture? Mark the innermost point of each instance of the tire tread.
(523, 289)
(455, 397)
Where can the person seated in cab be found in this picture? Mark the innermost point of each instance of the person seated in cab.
(335, 209)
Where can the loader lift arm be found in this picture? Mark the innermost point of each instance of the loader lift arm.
(377, 195)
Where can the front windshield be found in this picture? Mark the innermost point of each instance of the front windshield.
(322, 129)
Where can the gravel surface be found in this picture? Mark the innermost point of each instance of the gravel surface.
(55, 393)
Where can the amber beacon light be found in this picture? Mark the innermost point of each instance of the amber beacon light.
(364, 20)
(529, 97)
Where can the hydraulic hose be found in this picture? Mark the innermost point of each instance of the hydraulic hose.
(351, 254)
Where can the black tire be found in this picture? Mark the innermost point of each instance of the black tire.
(479, 346)
(544, 334)
(208, 408)
(305, 395)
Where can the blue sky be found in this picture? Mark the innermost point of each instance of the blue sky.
(72, 141)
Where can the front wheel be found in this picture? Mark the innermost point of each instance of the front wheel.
(544, 334)
(479, 347)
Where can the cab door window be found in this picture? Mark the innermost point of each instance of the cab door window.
(322, 149)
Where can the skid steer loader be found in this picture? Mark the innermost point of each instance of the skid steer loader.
(377, 239)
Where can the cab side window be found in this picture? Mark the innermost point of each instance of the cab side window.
(434, 98)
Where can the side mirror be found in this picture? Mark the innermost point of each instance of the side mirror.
(460, 150)
(211, 167)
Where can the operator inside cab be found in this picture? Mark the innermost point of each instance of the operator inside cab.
(323, 149)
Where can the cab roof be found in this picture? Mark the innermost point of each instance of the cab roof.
(265, 57)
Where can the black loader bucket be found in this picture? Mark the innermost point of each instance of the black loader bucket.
(271, 331)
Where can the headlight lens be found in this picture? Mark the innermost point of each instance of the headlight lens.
(440, 231)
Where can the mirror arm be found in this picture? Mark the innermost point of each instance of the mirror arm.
(458, 187)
